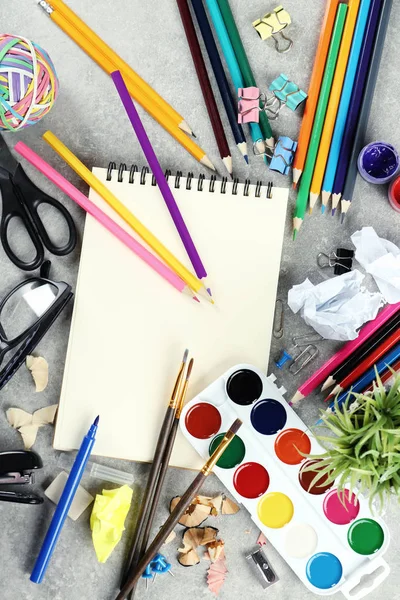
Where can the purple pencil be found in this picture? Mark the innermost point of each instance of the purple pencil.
(160, 179)
(356, 100)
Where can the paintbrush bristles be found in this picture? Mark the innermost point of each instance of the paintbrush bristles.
(182, 397)
(216, 455)
(189, 370)
(235, 426)
(176, 391)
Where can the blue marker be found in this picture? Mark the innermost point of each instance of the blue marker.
(64, 504)
(331, 167)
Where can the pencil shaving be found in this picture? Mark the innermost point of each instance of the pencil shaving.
(203, 507)
(28, 424)
(216, 574)
(215, 550)
(229, 507)
(192, 539)
(39, 368)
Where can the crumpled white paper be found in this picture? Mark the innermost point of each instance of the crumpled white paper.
(335, 308)
(381, 259)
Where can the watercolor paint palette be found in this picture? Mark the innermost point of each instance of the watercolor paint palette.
(329, 542)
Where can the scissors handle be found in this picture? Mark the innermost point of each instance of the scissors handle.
(33, 198)
(12, 208)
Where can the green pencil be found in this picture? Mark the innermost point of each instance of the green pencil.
(319, 120)
(244, 65)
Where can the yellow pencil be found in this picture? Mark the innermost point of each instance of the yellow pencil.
(136, 92)
(120, 64)
(334, 101)
(150, 239)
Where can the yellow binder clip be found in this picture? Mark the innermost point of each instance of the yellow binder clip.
(272, 24)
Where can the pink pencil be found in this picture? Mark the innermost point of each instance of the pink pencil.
(369, 329)
(77, 196)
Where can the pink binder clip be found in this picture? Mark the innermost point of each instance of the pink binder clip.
(248, 106)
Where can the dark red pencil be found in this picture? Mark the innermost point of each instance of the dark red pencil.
(205, 84)
(360, 369)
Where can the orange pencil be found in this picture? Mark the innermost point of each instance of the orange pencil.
(136, 92)
(333, 106)
(120, 64)
(313, 93)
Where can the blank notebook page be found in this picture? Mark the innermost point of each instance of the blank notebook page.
(130, 327)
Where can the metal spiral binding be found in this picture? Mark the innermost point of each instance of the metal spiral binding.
(189, 179)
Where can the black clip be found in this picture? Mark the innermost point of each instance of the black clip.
(18, 468)
(341, 261)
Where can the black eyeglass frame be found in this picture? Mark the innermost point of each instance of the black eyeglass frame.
(30, 338)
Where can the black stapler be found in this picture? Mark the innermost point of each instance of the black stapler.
(18, 467)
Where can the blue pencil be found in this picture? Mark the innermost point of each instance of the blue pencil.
(359, 141)
(233, 65)
(344, 105)
(369, 376)
(223, 85)
(356, 99)
(64, 504)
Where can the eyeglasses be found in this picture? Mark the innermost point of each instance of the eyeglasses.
(26, 314)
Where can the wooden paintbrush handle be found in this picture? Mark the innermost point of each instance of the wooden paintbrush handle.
(147, 500)
(162, 535)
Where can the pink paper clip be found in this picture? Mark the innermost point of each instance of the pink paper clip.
(248, 106)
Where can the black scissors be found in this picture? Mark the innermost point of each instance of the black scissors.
(22, 199)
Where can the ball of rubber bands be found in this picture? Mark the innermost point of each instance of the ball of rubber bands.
(28, 83)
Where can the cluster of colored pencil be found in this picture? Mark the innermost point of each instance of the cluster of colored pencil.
(339, 103)
(353, 369)
(109, 61)
(238, 67)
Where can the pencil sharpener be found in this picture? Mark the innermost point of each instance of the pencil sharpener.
(265, 573)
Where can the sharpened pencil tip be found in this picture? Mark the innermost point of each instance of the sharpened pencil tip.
(333, 212)
(185, 355)
(96, 421)
(246, 158)
(294, 185)
(195, 298)
(209, 292)
(322, 209)
(342, 218)
(294, 234)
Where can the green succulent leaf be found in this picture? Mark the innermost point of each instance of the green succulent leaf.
(362, 442)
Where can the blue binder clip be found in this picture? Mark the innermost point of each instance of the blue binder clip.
(283, 155)
(285, 92)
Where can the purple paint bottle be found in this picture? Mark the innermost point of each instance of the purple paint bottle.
(378, 163)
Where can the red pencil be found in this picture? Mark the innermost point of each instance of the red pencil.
(368, 362)
(205, 84)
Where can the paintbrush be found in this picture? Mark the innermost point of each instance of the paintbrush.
(155, 469)
(163, 471)
(178, 511)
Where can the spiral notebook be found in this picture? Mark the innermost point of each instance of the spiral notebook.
(130, 328)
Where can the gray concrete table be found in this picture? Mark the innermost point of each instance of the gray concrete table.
(89, 119)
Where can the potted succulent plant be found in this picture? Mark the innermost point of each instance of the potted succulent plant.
(363, 445)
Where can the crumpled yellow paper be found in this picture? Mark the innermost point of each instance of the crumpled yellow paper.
(108, 518)
(28, 424)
